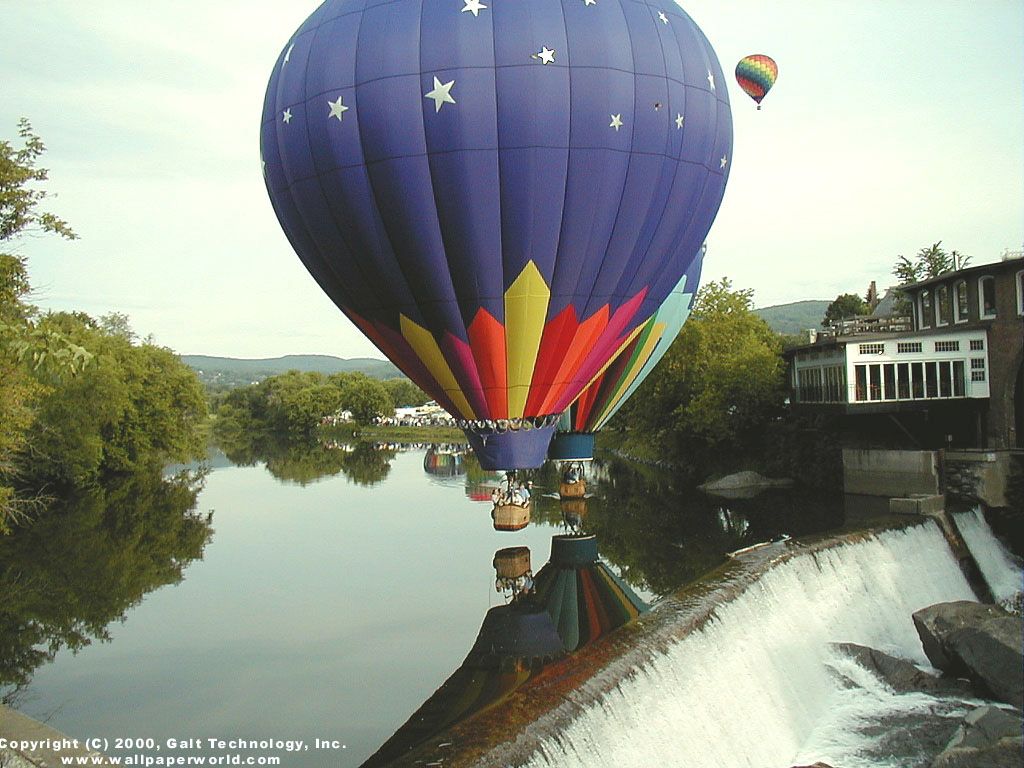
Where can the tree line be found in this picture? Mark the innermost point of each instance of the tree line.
(292, 405)
(81, 399)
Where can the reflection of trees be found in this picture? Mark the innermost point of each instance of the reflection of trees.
(304, 462)
(662, 534)
(71, 572)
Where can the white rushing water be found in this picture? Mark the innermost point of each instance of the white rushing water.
(755, 686)
(1000, 569)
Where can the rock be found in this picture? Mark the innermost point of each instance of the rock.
(901, 675)
(743, 485)
(988, 738)
(985, 726)
(983, 642)
(1005, 754)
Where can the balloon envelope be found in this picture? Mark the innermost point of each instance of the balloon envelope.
(499, 224)
(609, 392)
(756, 75)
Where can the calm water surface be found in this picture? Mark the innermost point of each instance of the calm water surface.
(333, 607)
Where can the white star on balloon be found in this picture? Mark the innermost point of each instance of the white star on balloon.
(724, 161)
(442, 94)
(662, 17)
(679, 120)
(711, 80)
(337, 109)
(474, 7)
(616, 122)
(590, 2)
(287, 115)
(288, 53)
(546, 55)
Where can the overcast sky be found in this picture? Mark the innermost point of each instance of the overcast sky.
(893, 124)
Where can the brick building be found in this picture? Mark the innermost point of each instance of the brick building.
(951, 374)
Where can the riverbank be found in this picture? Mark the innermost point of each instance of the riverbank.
(385, 434)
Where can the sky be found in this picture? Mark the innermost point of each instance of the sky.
(893, 124)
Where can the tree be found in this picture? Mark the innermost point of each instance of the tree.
(931, 261)
(719, 383)
(24, 348)
(133, 406)
(367, 399)
(405, 394)
(845, 306)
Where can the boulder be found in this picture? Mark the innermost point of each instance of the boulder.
(982, 642)
(743, 485)
(901, 675)
(988, 737)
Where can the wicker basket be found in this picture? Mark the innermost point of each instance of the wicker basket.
(575, 490)
(512, 562)
(511, 517)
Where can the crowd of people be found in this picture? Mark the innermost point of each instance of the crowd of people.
(512, 494)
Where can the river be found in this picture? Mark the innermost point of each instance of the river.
(328, 599)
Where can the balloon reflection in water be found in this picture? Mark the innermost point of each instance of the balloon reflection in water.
(574, 600)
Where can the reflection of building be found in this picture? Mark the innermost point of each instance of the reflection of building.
(954, 377)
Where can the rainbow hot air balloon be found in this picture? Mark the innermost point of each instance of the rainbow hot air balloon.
(498, 223)
(574, 439)
(756, 75)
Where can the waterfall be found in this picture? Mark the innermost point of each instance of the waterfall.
(1001, 570)
(757, 685)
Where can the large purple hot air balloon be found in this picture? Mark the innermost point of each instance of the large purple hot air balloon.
(499, 194)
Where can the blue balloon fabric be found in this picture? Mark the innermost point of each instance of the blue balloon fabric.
(498, 193)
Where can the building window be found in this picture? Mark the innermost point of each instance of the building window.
(987, 296)
(960, 311)
(977, 369)
(925, 308)
(931, 380)
(903, 381)
(977, 344)
(861, 372)
(871, 349)
(918, 380)
(942, 305)
(959, 381)
(903, 347)
(947, 346)
(875, 382)
(1020, 292)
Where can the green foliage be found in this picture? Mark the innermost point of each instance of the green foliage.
(292, 405)
(133, 405)
(26, 351)
(405, 394)
(845, 306)
(931, 261)
(719, 384)
(81, 564)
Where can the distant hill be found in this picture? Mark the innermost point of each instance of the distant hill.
(235, 372)
(795, 317)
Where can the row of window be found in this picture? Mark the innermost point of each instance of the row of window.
(908, 347)
(937, 313)
(914, 381)
(822, 385)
